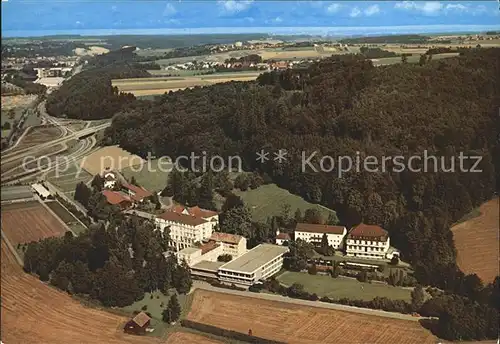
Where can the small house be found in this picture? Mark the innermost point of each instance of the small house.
(138, 324)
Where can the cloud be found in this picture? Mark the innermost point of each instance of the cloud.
(428, 8)
(333, 8)
(278, 20)
(355, 12)
(234, 6)
(372, 10)
(456, 7)
(169, 10)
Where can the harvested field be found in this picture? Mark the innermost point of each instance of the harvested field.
(476, 241)
(160, 85)
(32, 309)
(189, 338)
(29, 221)
(111, 157)
(301, 324)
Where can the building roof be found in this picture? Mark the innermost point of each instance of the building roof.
(139, 193)
(226, 237)
(209, 246)
(312, 228)
(194, 211)
(283, 236)
(189, 250)
(41, 190)
(50, 81)
(368, 231)
(255, 258)
(181, 218)
(115, 197)
(141, 319)
(207, 266)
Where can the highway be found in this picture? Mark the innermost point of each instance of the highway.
(85, 146)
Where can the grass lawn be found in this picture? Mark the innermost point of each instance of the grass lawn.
(68, 179)
(150, 176)
(268, 200)
(153, 304)
(343, 287)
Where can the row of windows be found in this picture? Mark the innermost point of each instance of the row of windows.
(366, 249)
(367, 242)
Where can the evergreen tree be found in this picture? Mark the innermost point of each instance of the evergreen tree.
(417, 297)
(205, 196)
(173, 310)
(98, 182)
(325, 247)
(298, 215)
(182, 278)
(313, 215)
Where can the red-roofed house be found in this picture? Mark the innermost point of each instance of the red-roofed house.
(314, 233)
(282, 237)
(118, 198)
(136, 193)
(367, 241)
(138, 324)
(188, 225)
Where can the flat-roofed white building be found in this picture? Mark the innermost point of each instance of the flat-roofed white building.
(41, 191)
(258, 263)
(367, 241)
(232, 244)
(193, 255)
(313, 233)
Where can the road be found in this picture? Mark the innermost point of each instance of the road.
(273, 297)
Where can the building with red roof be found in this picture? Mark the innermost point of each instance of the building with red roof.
(188, 225)
(118, 198)
(367, 241)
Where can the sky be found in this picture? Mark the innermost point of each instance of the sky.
(241, 15)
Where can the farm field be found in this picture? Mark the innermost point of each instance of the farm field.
(9, 102)
(32, 309)
(110, 157)
(341, 287)
(160, 85)
(189, 338)
(268, 200)
(29, 221)
(478, 253)
(153, 178)
(301, 324)
(411, 59)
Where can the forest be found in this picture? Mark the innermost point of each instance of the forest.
(114, 265)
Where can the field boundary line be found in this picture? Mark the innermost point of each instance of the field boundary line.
(12, 249)
(57, 217)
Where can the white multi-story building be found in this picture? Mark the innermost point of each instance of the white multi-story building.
(232, 244)
(314, 234)
(188, 225)
(259, 263)
(368, 241)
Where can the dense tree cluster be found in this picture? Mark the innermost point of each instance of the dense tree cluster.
(46, 48)
(114, 265)
(375, 53)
